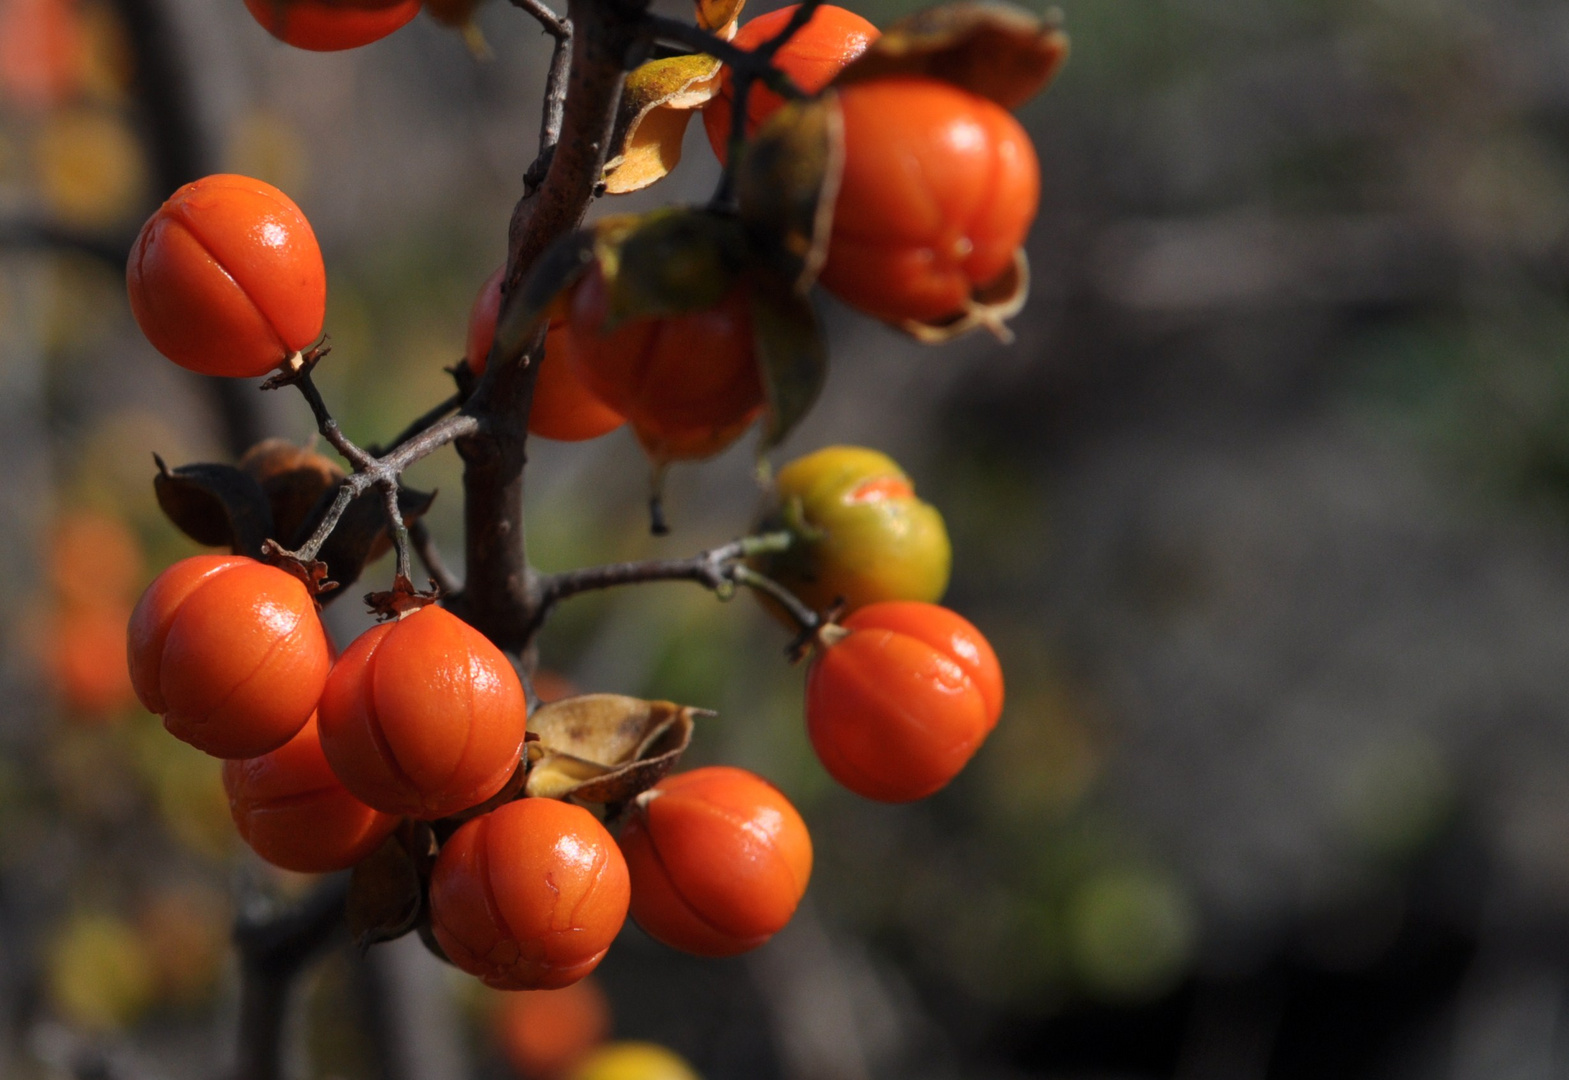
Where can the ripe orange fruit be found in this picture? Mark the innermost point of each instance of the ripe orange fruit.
(719, 860)
(688, 384)
(230, 652)
(939, 189)
(330, 25)
(818, 51)
(529, 896)
(294, 812)
(226, 277)
(563, 409)
(897, 706)
(423, 716)
(543, 1033)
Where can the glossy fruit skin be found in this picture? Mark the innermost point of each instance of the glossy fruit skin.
(939, 189)
(543, 1033)
(331, 25)
(423, 716)
(633, 1061)
(817, 52)
(226, 278)
(719, 860)
(563, 409)
(294, 812)
(529, 896)
(860, 532)
(688, 384)
(230, 652)
(897, 706)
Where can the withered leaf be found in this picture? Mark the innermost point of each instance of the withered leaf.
(673, 262)
(216, 505)
(605, 748)
(993, 49)
(788, 181)
(989, 308)
(361, 534)
(651, 120)
(792, 356)
(294, 479)
(387, 887)
(719, 16)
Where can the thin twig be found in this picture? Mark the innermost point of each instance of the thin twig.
(554, 109)
(400, 531)
(370, 470)
(430, 557)
(554, 24)
(717, 569)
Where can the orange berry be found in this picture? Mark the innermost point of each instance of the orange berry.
(226, 277)
(563, 409)
(897, 706)
(42, 51)
(817, 52)
(423, 716)
(543, 1033)
(230, 652)
(719, 860)
(688, 383)
(85, 658)
(939, 189)
(330, 25)
(294, 812)
(529, 896)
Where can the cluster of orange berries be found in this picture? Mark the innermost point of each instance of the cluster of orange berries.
(939, 187)
(424, 718)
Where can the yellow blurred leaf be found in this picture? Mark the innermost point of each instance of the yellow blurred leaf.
(90, 168)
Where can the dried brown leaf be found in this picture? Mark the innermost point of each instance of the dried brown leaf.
(216, 505)
(605, 748)
(651, 121)
(996, 50)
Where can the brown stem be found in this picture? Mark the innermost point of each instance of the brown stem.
(274, 947)
(718, 569)
(499, 595)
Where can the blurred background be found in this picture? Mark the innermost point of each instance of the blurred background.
(1266, 511)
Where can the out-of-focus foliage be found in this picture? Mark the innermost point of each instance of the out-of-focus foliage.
(1264, 512)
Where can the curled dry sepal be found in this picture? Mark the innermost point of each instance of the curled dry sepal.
(606, 748)
(387, 889)
(595, 748)
(279, 493)
(658, 103)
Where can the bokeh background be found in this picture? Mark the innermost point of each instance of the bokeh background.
(1266, 510)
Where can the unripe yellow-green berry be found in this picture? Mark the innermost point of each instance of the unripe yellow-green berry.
(858, 532)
